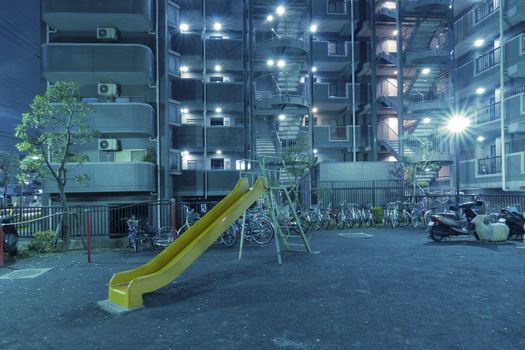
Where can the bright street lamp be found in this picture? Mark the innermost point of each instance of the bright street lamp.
(457, 125)
(280, 10)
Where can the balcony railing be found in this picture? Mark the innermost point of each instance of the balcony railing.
(485, 9)
(488, 60)
(515, 146)
(488, 113)
(489, 166)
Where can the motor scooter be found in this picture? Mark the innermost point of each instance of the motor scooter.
(514, 219)
(10, 235)
(457, 223)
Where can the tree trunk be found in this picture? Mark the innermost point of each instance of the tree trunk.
(64, 227)
(4, 198)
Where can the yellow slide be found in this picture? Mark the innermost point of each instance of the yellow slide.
(126, 288)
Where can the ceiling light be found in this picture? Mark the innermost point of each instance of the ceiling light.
(315, 150)
(427, 120)
(217, 26)
(480, 91)
(314, 69)
(479, 42)
(184, 69)
(218, 68)
(425, 71)
(314, 110)
(184, 27)
(395, 72)
(218, 110)
(219, 151)
(480, 139)
(269, 62)
(282, 117)
(269, 18)
(427, 169)
(395, 32)
(281, 63)
(280, 10)
(184, 153)
(184, 110)
(313, 28)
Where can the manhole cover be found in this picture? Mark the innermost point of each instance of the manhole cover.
(26, 273)
(355, 235)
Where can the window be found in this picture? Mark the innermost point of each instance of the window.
(332, 47)
(216, 121)
(336, 6)
(333, 88)
(217, 163)
(130, 155)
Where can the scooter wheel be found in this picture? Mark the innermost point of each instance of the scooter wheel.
(477, 236)
(437, 235)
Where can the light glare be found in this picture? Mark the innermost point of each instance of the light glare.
(457, 124)
(280, 10)
(184, 27)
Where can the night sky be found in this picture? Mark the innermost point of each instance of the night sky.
(20, 77)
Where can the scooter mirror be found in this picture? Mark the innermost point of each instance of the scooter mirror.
(453, 207)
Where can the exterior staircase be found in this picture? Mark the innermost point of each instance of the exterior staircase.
(265, 147)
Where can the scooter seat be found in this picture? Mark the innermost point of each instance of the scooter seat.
(452, 216)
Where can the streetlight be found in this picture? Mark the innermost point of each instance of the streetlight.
(457, 125)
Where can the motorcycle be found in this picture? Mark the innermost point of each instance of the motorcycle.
(10, 235)
(514, 219)
(457, 223)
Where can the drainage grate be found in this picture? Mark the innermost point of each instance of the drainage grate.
(355, 235)
(26, 273)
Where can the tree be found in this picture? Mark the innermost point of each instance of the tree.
(51, 138)
(419, 164)
(9, 165)
(298, 161)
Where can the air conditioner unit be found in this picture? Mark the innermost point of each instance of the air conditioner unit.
(108, 145)
(107, 33)
(108, 89)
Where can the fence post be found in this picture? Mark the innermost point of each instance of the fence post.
(173, 219)
(374, 194)
(88, 229)
(1, 245)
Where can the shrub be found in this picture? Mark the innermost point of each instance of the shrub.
(42, 242)
(378, 215)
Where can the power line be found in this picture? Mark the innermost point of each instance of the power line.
(26, 38)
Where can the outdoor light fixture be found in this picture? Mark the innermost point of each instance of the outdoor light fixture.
(269, 18)
(219, 151)
(395, 32)
(395, 72)
(218, 110)
(315, 150)
(313, 28)
(479, 42)
(218, 68)
(457, 124)
(314, 110)
(184, 110)
(184, 27)
(280, 10)
(427, 120)
(184, 69)
(184, 153)
(480, 139)
(427, 169)
(281, 63)
(269, 62)
(480, 91)
(282, 117)
(314, 69)
(217, 26)
(426, 71)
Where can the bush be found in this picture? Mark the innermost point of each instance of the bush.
(378, 215)
(42, 242)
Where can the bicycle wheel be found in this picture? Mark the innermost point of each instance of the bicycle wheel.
(414, 218)
(262, 231)
(133, 244)
(229, 237)
(164, 237)
(316, 220)
(182, 229)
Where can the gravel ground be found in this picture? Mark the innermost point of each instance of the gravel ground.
(394, 290)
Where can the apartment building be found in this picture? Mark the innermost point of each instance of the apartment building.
(490, 88)
(185, 91)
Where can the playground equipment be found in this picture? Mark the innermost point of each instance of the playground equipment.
(127, 288)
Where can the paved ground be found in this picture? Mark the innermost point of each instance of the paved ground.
(395, 290)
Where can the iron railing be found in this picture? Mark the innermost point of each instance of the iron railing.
(488, 60)
(485, 9)
(515, 146)
(488, 113)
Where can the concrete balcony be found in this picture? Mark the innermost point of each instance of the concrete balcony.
(292, 46)
(189, 183)
(173, 16)
(175, 164)
(441, 56)
(174, 113)
(327, 98)
(192, 182)
(125, 15)
(221, 182)
(486, 173)
(224, 93)
(326, 137)
(225, 138)
(327, 62)
(429, 7)
(123, 118)
(174, 63)
(88, 64)
(188, 137)
(109, 177)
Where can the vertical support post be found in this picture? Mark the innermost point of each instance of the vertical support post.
(88, 229)
(174, 219)
(456, 154)
(243, 226)
(1, 246)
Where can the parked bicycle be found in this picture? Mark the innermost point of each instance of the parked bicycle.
(142, 233)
